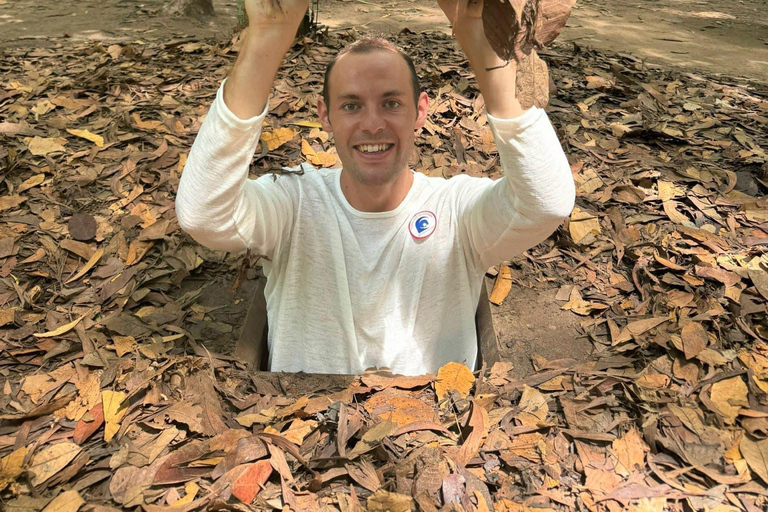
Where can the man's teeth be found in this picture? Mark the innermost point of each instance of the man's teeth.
(373, 148)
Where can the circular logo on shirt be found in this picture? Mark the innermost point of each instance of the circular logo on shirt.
(422, 225)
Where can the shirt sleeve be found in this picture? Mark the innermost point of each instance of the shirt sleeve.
(216, 202)
(520, 210)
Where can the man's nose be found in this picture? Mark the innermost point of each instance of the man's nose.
(373, 121)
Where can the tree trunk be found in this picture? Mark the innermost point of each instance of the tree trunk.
(192, 8)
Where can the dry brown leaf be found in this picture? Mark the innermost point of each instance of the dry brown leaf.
(384, 501)
(249, 483)
(756, 455)
(480, 424)
(399, 407)
(40, 146)
(67, 501)
(583, 226)
(694, 339)
(729, 396)
(52, 459)
(383, 378)
(12, 466)
(630, 450)
(8, 202)
(533, 407)
(453, 377)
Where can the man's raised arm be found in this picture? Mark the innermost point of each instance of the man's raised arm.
(272, 26)
(537, 191)
(216, 203)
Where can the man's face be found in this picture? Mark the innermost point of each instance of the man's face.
(372, 115)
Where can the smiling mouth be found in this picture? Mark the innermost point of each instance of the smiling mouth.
(373, 148)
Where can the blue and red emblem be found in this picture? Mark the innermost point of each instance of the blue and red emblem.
(422, 225)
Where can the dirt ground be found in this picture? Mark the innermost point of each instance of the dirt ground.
(718, 37)
(725, 38)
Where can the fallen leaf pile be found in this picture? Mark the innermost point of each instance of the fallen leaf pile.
(114, 399)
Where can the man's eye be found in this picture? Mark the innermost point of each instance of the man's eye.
(348, 107)
(393, 104)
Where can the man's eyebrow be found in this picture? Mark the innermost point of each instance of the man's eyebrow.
(388, 94)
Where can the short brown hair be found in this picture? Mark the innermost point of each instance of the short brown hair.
(367, 45)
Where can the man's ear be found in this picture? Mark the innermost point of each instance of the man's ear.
(422, 107)
(322, 113)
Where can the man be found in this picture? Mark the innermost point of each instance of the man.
(372, 264)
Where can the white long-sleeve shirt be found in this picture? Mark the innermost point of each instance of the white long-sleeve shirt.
(347, 290)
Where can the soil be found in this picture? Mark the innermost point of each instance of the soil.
(718, 37)
(726, 39)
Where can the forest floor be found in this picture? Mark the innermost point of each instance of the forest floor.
(721, 37)
(635, 372)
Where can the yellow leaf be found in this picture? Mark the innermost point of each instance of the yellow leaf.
(113, 412)
(502, 285)
(137, 250)
(67, 501)
(31, 182)
(324, 159)
(307, 124)
(124, 344)
(52, 459)
(148, 125)
(318, 133)
(11, 466)
(277, 138)
(143, 211)
(191, 489)
(88, 266)
(182, 162)
(298, 430)
(85, 134)
(306, 149)
(61, 330)
(453, 377)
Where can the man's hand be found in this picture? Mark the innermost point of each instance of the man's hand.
(466, 18)
(495, 76)
(272, 26)
(275, 14)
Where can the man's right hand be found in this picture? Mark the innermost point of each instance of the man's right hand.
(267, 14)
(272, 26)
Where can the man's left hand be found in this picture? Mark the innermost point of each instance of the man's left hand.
(466, 18)
(495, 76)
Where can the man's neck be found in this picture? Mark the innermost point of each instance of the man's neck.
(376, 198)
